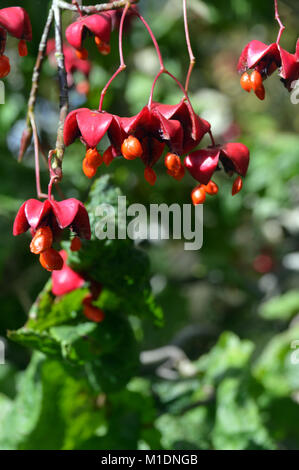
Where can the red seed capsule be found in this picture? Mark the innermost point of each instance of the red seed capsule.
(92, 313)
(131, 148)
(173, 163)
(93, 157)
(22, 46)
(51, 260)
(108, 156)
(97, 40)
(179, 175)
(150, 175)
(245, 82)
(237, 185)
(42, 240)
(198, 195)
(261, 93)
(81, 54)
(76, 244)
(83, 87)
(4, 66)
(88, 170)
(211, 188)
(104, 48)
(256, 80)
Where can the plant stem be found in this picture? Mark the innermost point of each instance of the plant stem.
(122, 64)
(190, 52)
(63, 87)
(95, 8)
(281, 26)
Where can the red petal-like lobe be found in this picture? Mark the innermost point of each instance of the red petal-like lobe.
(201, 164)
(98, 24)
(152, 150)
(36, 211)
(142, 120)
(116, 133)
(171, 131)
(80, 224)
(254, 52)
(71, 130)
(16, 22)
(20, 223)
(66, 280)
(289, 68)
(193, 126)
(93, 125)
(238, 154)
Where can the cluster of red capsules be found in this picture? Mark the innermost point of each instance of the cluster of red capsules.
(158, 128)
(265, 59)
(15, 22)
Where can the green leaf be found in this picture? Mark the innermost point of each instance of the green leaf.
(277, 369)
(238, 423)
(282, 307)
(229, 353)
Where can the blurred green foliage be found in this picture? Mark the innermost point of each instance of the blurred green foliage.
(232, 307)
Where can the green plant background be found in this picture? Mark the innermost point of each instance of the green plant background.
(70, 384)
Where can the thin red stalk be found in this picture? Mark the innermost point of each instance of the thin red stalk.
(78, 7)
(154, 41)
(281, 26)
(150, 101)
(190, 52)
(212, 139)
(122, 65)
(156, 45)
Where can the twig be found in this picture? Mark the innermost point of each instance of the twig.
(172, 357)
(190, 52)
(63, 87)
(95, 8)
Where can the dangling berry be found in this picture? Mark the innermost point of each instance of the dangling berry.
(89, 170)
(97, 40)
(81, 54)
(237, 185)
(83, 87)
(179, 175)
(108, 156)
(245, 82)
(211, 188)
(92, 313)
(198, 195)
(104, 48)
(93, 157)
(260, 93)
(256, 80)
(51, 260)
(23, 51)
(41, 241)
(76, 244)
(4, 66)
(131, 148)
(150, 175)
(173, 163)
